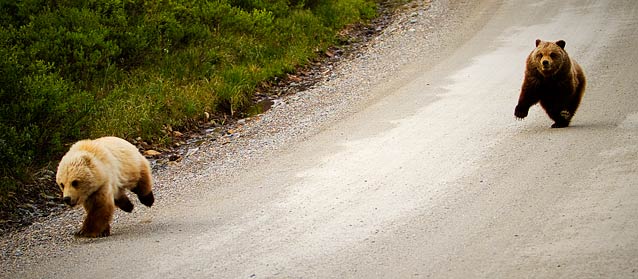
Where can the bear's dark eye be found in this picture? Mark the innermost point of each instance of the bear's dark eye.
(552, 55)
(75, 183)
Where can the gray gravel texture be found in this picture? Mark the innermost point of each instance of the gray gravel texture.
(345, 87)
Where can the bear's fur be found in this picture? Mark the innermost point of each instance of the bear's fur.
(554, 80)
(95, 174)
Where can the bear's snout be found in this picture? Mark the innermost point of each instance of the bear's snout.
(545, 63)
(68, 201)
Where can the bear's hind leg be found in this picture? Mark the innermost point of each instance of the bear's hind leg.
(122, 201)
(99, 212)
(143, 189)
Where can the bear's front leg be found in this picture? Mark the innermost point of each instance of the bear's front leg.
(93, 232)
(521, 111)
(99, 212)
(562, 119)
(527, 99)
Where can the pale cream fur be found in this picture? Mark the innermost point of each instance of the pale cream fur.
(95, 174)
(115, 163)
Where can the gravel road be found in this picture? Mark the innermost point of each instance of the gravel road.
(405, 161)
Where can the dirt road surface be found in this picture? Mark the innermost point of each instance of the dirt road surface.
(428, 175)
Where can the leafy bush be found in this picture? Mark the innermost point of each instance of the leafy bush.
(39, 111)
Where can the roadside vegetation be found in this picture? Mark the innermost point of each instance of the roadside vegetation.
(133, 68)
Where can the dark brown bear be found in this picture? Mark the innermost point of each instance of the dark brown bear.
(554, 80)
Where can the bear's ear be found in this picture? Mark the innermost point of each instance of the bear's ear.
(86, 160)
(538, 41)
(561, 44)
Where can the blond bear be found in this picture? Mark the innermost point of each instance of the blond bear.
(95, 174)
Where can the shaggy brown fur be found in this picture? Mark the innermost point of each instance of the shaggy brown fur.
(554, 80)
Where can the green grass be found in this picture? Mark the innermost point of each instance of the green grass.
(85, 69)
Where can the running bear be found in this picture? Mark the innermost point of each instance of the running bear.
(554, 80)
(95, 174)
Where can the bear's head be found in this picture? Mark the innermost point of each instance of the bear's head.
(549, 57)
(78, 177)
